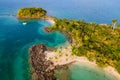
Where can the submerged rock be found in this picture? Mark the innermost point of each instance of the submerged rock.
(40, 65)
(47, 29)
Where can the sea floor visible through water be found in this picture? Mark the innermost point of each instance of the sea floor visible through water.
(15, 41)
(83, 71)
(15, 38)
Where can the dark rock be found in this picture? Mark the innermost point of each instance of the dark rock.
(44, 69)
(47, 30)
(40, 64)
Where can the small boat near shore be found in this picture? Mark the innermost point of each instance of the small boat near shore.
(24, 23)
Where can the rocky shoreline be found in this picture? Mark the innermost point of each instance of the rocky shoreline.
(70, 39)
(39, 64)
(45, 66)
(42, 69)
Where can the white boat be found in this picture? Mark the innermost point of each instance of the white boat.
(24, 23)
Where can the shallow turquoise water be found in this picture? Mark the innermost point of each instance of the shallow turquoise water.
(83, 71)
(15, 38)
(87, 72)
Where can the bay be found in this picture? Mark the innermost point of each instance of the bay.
(15, 38)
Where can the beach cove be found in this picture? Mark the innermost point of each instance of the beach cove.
(48, 61)
(16, 38)
(79, 64)
(45, 64)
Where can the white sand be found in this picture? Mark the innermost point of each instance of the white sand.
(51, 21)
(63, 56)
(112, 71)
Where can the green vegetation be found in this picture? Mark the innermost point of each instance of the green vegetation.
(31, 13)
(97, 42)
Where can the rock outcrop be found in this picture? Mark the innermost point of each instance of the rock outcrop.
(41, 66)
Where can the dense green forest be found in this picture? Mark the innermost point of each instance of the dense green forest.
(98, 42)
(31, 13)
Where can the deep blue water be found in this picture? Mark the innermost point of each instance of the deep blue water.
(15, 38)
(100, 11)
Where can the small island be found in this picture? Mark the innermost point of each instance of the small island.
(31, 13)
(92, 43)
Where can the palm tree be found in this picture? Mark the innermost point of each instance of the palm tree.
(114, 21)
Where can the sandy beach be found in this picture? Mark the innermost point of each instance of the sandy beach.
(51, 21)
(64, 56)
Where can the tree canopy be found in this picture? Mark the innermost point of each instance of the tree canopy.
(31, 13)
(95, 41)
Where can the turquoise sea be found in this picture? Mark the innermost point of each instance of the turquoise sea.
(16, 38)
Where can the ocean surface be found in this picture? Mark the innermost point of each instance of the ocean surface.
(16, 38)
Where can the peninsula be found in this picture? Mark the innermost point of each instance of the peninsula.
(89, 42)
(97, 42)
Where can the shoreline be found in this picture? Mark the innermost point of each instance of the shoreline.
(50, 19)
(69, 59)
(112, 71)
(47, 18)
(40, 66)
(64, 57)
(52, 22)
